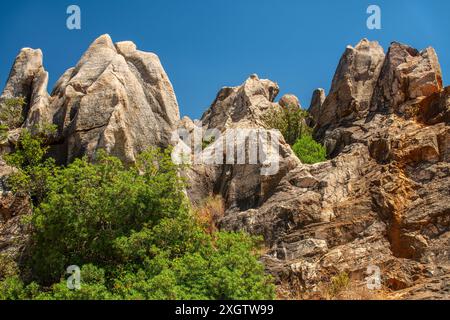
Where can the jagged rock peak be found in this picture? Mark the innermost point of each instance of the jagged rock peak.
(28, 79)
(317, 100)
(116, 98)
(406, 74)
(353, 83)
(244, 104)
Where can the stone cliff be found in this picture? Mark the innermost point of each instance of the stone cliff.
(381, 200)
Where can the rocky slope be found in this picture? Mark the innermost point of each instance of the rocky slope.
(380, 201)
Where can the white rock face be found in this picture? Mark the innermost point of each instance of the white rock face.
(116, 98)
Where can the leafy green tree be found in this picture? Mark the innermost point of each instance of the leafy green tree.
(309, 151)
(290, 121)
(132, 231)
(34, 167)
(10, 114)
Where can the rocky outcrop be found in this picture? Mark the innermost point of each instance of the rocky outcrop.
(243, 105)
(116, 98)
(28, 79)
(352, 86)
(379, 203)
(315, 107)
(289, 100)
(407, 74)
(13, 207)
(241, 185)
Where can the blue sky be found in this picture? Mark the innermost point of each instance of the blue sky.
(207, 44)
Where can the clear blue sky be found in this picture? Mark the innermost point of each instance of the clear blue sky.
(207, 44)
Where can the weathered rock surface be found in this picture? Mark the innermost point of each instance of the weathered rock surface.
(315, 107)
(241, 185)
(116, 98)
(381, 201)
(28, 79)
(407, 74)
(352, 86)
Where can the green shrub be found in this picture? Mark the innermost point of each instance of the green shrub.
(35, 169)
(132, 232)
(10, 115)
(290, 121)
(309, 151)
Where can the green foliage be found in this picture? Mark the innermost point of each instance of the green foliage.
(290, 121)
(132, 231)
(309, 151)
(8, 266)
(10, 115)
(207, 141)
(89, 205)
(34, 168)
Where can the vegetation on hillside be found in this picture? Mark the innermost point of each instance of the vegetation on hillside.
(130, 230)
(10, 115)
(290, 121)
(308, 150)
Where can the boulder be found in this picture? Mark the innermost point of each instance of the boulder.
(289, 100)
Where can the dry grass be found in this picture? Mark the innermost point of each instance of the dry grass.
(209, 212)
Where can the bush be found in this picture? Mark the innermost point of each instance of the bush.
(35, 169)
(132, 232)
(309, 151)
(290, 121)
(10, 114)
